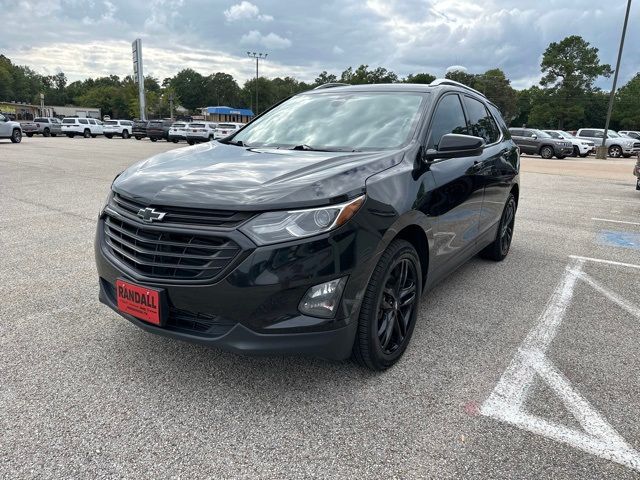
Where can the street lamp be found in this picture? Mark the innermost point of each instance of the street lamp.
(257, 56)
(601, 151)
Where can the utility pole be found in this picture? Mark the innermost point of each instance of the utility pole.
(138, 75)
(601, 151)
(257, 56)
(42, 114)
(171, 105)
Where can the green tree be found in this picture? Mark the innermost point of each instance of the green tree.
(570, 68)
(461, 76)
(425, 78)
(190, 87)
(325, 77)
(362, 75)
(495, 85)
(626, 107)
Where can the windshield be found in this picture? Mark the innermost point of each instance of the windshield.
(566, 134)
(554, 134)
(110, 122)
(612, 134)
(542, 134)
(337, 121)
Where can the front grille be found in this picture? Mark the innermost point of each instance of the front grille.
(187, 216)
(636, 145)
(198, 323)
(156, 253)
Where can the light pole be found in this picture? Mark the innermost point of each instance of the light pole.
(257, 56)
(42, 105)
(601, 151)
(171, 105)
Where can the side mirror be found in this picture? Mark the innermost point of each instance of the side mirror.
(453, 145)
(534, 136)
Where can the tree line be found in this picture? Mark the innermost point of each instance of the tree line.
(565, 98)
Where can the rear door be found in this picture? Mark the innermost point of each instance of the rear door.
(457, 199)
(5, 127)
(494, 169)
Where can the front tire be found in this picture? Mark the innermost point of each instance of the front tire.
(138, 138)
(16, 136)
(576, 151)
(153, 139)
(109, 136)
(389, 307)
(546, 152)
(29, 135)
(86, 134)
(499, 248)
(125, 134)
(46, 132)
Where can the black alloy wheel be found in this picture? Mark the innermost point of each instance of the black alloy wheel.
(499, 248)
(389, 308)
(396, 306)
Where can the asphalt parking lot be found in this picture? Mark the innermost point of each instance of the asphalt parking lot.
(523, 369)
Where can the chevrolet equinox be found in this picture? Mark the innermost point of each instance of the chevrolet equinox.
(317, 227)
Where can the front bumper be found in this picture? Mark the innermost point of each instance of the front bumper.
(254, 308)
(566, 151)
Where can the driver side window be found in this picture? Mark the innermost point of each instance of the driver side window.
(2, 118)
(448, 118)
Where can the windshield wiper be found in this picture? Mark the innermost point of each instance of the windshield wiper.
(309, 148)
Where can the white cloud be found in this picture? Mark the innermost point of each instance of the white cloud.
(271, 40)
(245, 11)
(337, 50)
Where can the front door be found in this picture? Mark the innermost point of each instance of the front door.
(456, 201)
(5, 127)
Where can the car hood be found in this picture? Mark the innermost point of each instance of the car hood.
(216, 175)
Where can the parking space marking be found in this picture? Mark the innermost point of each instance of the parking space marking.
(600, 260)
(614, 221)
(619, 239)
(506, 401)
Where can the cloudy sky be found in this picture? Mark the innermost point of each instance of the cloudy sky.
(87, 38)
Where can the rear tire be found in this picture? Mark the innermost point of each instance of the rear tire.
(86, 133)
(46, 132)
(125, 134)
(16, 136)
(615, 151)
(499, 248)
(29, 135)
(560, 157)
(70, 135)
(190, 142)
(109, 136)
(175, 140)
(153, 139)
(584, 155)
(138, 138)
(389, 308)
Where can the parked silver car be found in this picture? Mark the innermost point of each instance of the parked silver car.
(10, 129)
(47, 126)
(617, 145)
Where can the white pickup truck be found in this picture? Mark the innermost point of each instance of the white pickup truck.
(10, 129)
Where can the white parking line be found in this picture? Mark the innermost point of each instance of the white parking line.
(614, 221)
(506, 402)
(600, 260)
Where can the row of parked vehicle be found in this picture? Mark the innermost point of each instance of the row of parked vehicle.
(191, 132)
(560, 144)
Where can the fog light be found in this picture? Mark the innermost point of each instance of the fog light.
(322, 300)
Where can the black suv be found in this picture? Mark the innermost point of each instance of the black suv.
(139, 130)
(537, 142)
(158, 129)
(315, 228)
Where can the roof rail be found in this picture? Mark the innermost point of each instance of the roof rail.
(331, 85)
(446, 81)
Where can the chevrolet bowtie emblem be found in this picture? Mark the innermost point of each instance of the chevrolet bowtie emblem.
(150, 215)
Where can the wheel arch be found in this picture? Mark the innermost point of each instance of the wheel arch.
(515, 190)
(417, 237)
(546, 145)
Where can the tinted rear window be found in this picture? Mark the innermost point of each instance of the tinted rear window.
(178, 125)
(197, 125)
(69, 120)
(83, 121)
(110, 122)
(226, 125)
(41, 120)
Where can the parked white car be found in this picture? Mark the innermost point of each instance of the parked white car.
(87, 127)
(178, 131)
(226, 129)
(630, 133)
(119, 128)
(580, 146)
(200, 132)
(617, 145)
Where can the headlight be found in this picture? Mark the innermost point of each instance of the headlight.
(585, 143)
(274, 227)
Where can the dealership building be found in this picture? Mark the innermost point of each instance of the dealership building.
(227, 114)
(25, 111)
